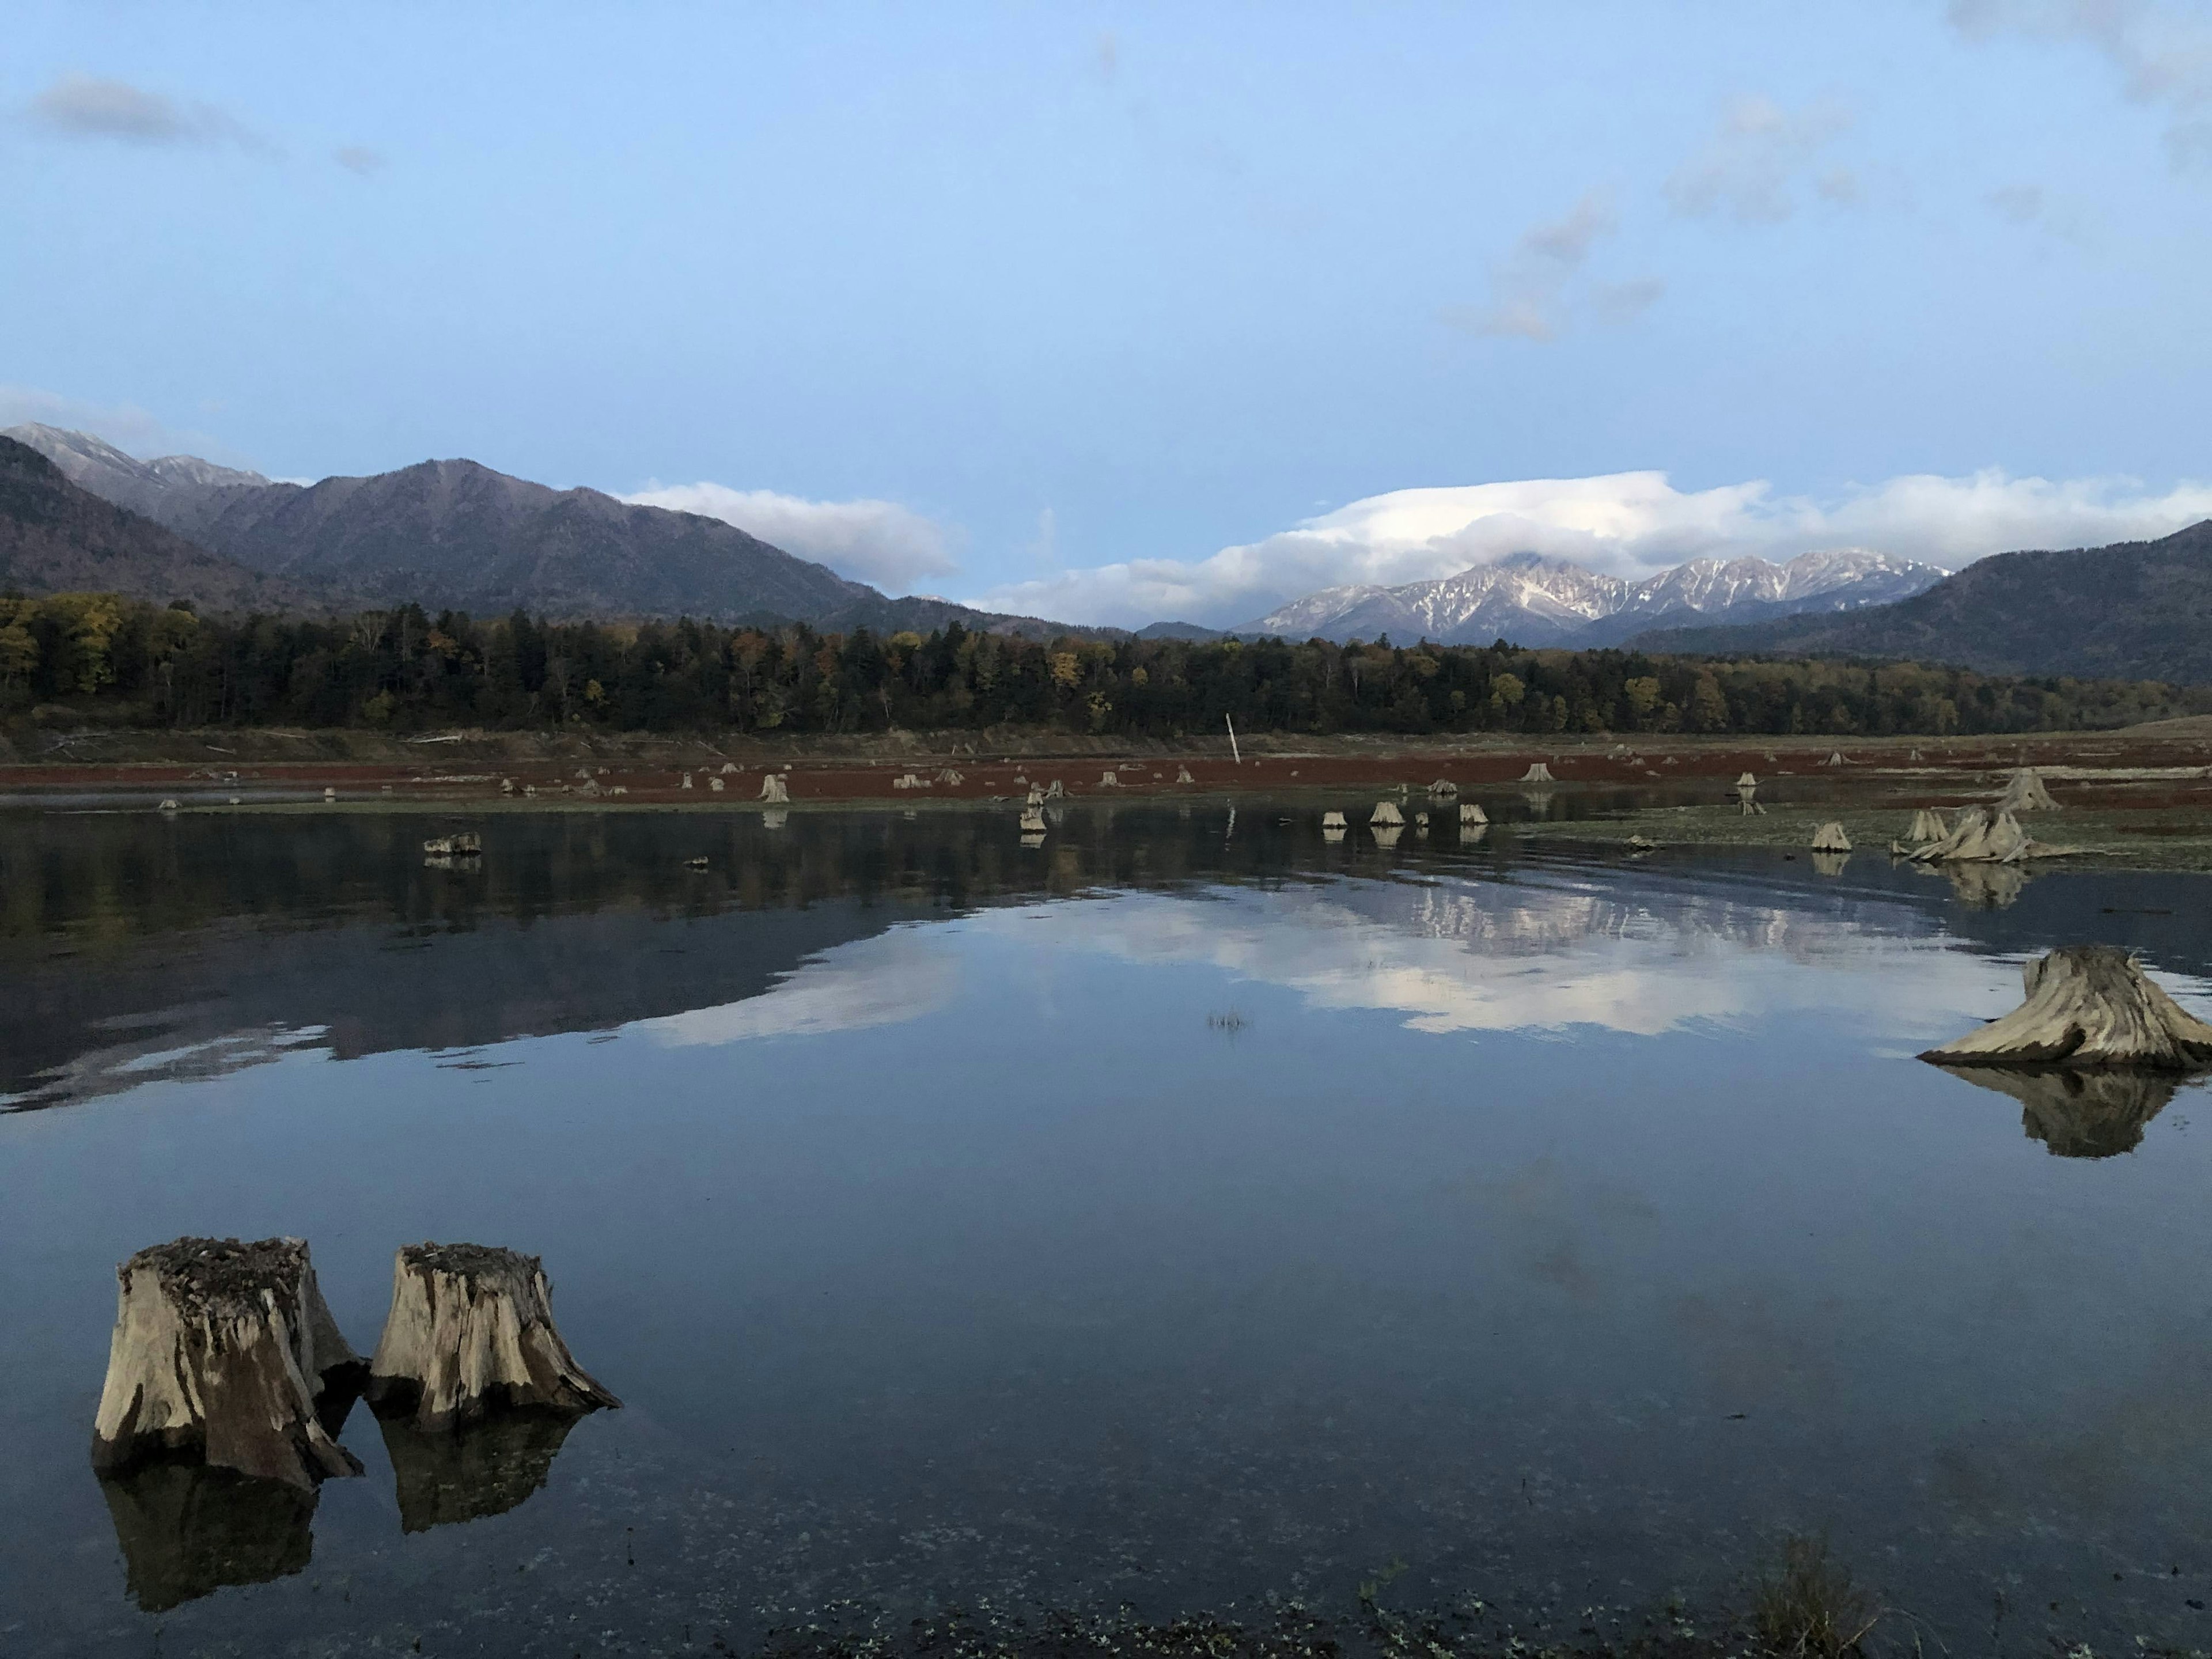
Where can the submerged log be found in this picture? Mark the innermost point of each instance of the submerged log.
(225, 1350)
(470, 1328)
(2024, 792)
(1538, 773)
(2087, 1005)
(1830, 838)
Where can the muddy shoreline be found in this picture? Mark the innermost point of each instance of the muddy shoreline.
(2136, 798)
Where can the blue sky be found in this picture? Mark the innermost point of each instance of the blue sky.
(1052, 305)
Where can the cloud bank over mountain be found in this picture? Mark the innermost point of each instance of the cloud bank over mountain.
(1623, 524)
(880, 542)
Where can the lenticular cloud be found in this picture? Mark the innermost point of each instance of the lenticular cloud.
(1626, 524)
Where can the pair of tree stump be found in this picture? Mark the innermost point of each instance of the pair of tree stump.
(227, 1350)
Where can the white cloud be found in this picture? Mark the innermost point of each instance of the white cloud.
(2163, 53)
(879, 542)
(1626, 523)
(1529, 287)
(1748, 170)
(90, 107)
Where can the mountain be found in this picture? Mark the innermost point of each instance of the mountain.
(455, 533)
(55, 538)
(1533, 600)
(2135, 610)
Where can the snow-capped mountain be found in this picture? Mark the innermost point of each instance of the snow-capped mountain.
(146, 487)
(1533, 600)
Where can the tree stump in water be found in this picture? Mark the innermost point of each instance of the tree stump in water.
(2087, 1005)
(227, 1350)
(2024, 792)
(472, 1328)
(773, 790)
(1927, 827)
(1831, 838)
(1386, 812)
(1538, 772)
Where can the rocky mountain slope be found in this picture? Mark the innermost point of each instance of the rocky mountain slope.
(456, 533)
(2136, 611)
(55, 538)
(1537, 601)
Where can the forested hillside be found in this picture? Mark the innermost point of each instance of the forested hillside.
(101, 657)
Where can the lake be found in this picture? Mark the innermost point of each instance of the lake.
(1180, 1211)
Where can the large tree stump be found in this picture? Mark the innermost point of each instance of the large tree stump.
(1538, 772)
(227, 1350)
(2024, 792)
(2087, 1005)
(470, 1328)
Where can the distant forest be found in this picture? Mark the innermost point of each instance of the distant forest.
(103, 657)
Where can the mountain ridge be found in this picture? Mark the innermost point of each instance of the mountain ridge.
(57, 537)
(2131, 610)
(1536, 600)
(456, 533)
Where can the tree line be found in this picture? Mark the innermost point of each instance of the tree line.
(101, 656)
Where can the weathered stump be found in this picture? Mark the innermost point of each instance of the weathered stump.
(1927, 827)
(1331, 821)
(2024, 792)
(773, 791)
(2087, 1005)
(1443, 789)
(1830, 838)
(1471, 813)
(225, 1350)
(1538, 773)
(471, 1328)
(1033, 820)
(1386, 812)
(1182, 775)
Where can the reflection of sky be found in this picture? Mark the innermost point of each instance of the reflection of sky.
(1543, 954)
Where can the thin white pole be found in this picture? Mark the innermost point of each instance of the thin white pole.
(1232, 740)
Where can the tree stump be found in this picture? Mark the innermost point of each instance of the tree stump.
(1471, 813)
(2024, 792)
(1386, 812)
(1831, 838)
(1033, 820)
(2087, 1005)
(1182, 775)
(471, 1328)
(227, 1350)
(1927, 827)
(1538, 773)
(773, 790)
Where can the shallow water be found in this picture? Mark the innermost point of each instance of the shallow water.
(1173, 1213)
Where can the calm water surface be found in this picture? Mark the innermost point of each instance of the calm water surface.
(1175, 1212)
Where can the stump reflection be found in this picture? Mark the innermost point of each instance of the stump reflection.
(483, 1468)
(2079, 1114)
(186, 1530)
